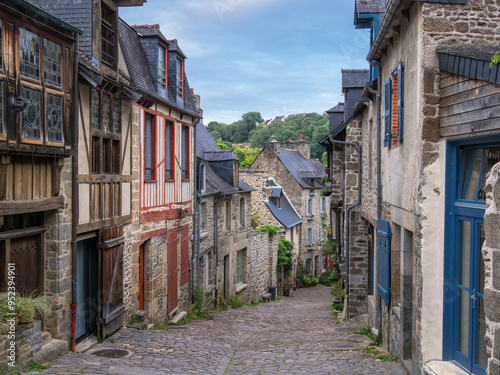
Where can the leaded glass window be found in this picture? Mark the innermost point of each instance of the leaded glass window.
(2, 130)
(54, 118)
(52, 60)
(31, 114)
(106, 113)
(96, 109)
(116, 116)
(29, 54)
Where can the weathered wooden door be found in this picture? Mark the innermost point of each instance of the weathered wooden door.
(25, 253)
(185, 255)
(141, 277)
(172, 272)
(112, 306)
(226, 277)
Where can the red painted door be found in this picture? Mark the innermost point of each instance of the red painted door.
(172, 271)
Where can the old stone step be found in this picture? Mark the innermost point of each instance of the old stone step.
(46, 337)
(50, 351)
(178, 317)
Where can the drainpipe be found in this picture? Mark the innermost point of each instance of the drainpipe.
(195, 214)
(216, 245)
(74, 192)
(348, 210)
(379, 172)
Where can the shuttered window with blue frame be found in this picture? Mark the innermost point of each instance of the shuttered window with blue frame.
(384, 260)
(393, 131)
(387, 112)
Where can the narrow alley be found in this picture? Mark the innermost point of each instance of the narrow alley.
(295, 335)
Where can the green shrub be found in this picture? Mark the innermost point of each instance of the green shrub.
(235, 302)
(329, 279)
(255, 220)
(285, 256)
(255, 302)
(272, 229)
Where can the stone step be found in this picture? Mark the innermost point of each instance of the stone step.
(50, 351)
(46, 337)
(178, 317)
(442, 368)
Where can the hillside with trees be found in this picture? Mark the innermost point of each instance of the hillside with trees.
(251, 130)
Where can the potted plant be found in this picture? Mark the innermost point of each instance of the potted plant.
(288, 284)
(31, 307)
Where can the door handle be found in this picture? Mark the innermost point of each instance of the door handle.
(473, 298)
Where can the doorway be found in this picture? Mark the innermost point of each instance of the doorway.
(86, 288)
(141, 277)
(226, 277)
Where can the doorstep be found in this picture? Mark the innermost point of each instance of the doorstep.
(443, 368)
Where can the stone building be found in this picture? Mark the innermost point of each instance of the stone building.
(232, 259)
(165, 113)
(429, 138)
(301, 179)
(37, 118)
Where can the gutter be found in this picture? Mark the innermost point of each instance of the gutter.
(348, 210)
(74, 192)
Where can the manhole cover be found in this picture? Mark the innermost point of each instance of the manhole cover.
(111, 353)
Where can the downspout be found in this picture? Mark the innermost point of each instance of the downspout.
(195, 212)
(379, 172)
(348, 210)
(216, 244)
(74, 191)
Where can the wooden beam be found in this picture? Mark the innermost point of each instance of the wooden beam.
(33, 205)
(104, 178)
(122, 220)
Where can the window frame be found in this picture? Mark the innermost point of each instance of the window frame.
(171, 149)
(240, 274)
(179, 77)
(152, 146)
(202, 177)
(394, 108)
(111, 26)
(203, 216)
(242, 217)
(164, 68)
(105, 139)
(185, 151)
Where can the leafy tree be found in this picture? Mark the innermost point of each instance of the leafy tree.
(285, 256)
(324, 158)
(246, 155)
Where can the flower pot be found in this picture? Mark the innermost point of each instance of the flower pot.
(286, 293)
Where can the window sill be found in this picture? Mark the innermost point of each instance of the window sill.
(186, 179)
(151, 181)
(241, 288)
(170, 180)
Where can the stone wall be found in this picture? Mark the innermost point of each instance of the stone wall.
(491, 257)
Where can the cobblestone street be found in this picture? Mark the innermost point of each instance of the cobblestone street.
(294, 335)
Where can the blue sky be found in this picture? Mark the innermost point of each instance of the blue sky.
(271, 56)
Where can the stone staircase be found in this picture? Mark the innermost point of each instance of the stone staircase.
(50, 349)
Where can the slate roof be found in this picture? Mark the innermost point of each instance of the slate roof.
(206, 146)
(339, 129)
(354, 78)
(137, 65)
(370, 6)
(174, 46)
(150, 30)
(295, 162)
(338, 108)
(286, 214)
(472, 61)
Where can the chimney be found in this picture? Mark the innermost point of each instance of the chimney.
(271, 149)
(301, 145)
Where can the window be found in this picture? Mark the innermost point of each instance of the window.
(322, 234)
(202, 178)
(179, 74)
(52, 59)
(169, 147)
(227, 214)
(242, 212)
(29, 54)
(309, 207)
(323, 205)
(203, 216)
(31, 115)
(149, 152)
(1, 43)
(240, 267)
(54, 118)
(162, 80)
(309, 236)
(393, 108)
(106, 128)
(185, 152)
(108, 37)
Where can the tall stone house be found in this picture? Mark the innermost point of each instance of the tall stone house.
(302, 179)
(348, 228)
(429, 137)
(232, 260)
(165, 112)
(37, 89)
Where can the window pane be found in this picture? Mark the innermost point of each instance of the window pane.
(179, 77)
(147, 149)
(54, 118)
(161, 67)
(29, 54)
(31, 114)
(116, 116)
(470, 174)
(463, 322)
(168, 165)
(491, 157)
(96, 109)
(106, 113)
(464, 233)
(52, 58)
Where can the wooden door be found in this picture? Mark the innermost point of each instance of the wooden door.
(172, 272)
(226, 277)
(141, 277)
(112, 306)
(185, 255)
(26, 254)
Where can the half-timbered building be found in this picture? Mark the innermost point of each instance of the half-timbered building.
(36, 120)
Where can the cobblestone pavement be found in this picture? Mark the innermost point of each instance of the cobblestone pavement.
(294, 335)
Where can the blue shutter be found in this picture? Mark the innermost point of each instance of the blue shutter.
(400, 101)
(384, 260)
(387, 113)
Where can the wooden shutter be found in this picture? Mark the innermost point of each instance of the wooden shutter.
(185, 255)
(112, 273)
(172, 271)
(384, 259)
(400, 101)
(387, 113)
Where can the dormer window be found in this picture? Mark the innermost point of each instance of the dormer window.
(162, 79)
(108, 36)
(179, 69)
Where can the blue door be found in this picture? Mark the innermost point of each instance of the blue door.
(468, 326)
